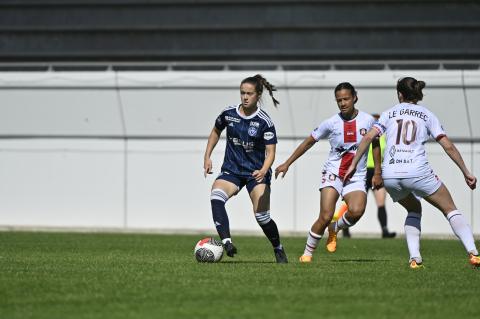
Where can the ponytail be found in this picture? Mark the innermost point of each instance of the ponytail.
(260, 82)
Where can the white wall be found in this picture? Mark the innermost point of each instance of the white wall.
(96, 178)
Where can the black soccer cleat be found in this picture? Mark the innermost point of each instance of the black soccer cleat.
(230, 249)
(280, 256)
(387, 234)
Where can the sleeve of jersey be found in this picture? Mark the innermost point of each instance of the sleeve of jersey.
(380, 125)
(270, 135)
(435, 128)
(321, 131)
(220, 122)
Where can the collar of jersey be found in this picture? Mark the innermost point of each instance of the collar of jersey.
(246, 117)
(345, 120)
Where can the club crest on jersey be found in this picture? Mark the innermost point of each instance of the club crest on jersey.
(363, 131)
(252, 131)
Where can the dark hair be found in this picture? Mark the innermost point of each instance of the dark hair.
(411, 89)
(347, 86)
(260, 82)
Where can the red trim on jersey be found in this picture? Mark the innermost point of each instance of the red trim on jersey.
(350, 132)
(377, 129)
(439, 137)
(345, 163)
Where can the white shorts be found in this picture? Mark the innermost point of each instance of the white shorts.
(332, 180)
(422, 186)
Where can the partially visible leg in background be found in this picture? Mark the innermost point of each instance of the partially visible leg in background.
(380, 196)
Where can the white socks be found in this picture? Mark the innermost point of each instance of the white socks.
(412, 234)
(312, 243)
(462, 230)
(342, 223)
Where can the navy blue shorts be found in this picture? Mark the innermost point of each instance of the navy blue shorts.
(241, 181)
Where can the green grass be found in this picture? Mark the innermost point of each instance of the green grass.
(60, 275)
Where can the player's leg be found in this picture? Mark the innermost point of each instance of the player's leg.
(341, 209)
(442, 200)
(222, 190)
(356, 201)
(260, 196)
(380, 197)
(328, 199)
(413, 228)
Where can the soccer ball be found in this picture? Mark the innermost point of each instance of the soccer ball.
(208, 250)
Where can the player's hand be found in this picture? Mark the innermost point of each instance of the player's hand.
(350, 171)
(259, 175)
(377, 181)
(207, 167)
(471, 181)
(283, 168)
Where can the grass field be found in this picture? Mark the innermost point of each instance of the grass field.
(60, 275)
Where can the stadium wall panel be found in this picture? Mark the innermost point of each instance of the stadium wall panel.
(124, 150)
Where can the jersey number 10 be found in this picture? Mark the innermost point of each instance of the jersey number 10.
(405, 129)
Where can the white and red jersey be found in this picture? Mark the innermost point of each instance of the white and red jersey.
(407, 127)
(344, 137)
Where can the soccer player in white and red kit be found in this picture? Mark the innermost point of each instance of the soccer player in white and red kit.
(344, 131)
(406, 172)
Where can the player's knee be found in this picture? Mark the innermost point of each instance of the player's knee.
(355, 213)
(218, 196)
(263, 218)
(324, 219)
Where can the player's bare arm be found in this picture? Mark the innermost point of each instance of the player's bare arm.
(269, 159)
(362, 148)
(377, 180)
(455, 155)
(212, 142)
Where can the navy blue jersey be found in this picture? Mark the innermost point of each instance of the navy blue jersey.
(246, 139)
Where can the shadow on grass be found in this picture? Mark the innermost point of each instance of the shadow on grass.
(360, 260)
(248, 262)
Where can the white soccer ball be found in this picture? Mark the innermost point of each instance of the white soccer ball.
(208, 250)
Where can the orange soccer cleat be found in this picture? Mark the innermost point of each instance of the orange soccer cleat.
(305, 259)
(416, 265)
(474, 260)
(331, 244)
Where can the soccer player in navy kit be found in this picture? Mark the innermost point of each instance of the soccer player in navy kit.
(249, 155)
